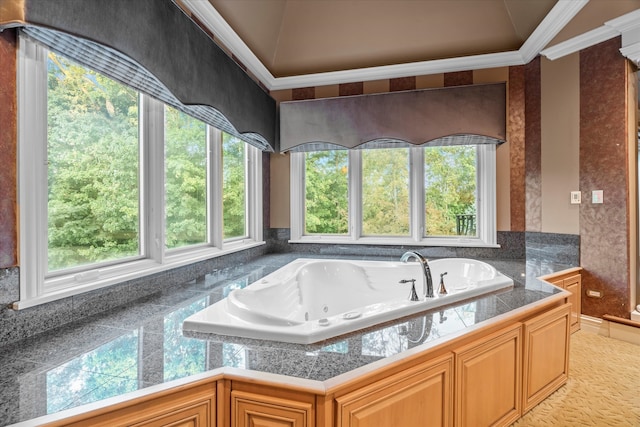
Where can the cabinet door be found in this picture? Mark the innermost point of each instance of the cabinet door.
(190, 406)
(546, 355)
(418, 397)
(257, 410)
(488, 389)
(573, 284)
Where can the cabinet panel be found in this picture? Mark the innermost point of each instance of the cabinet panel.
(256, 410)
(488, 380)
(573, 284)
(546, 355)
(420, 396)
(193, 406)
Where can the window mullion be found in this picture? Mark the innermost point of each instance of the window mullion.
(254, 193)
(32, 151)
(355, 194)
(152, 176)
(417, 193)
(296, 193)
(215, 179)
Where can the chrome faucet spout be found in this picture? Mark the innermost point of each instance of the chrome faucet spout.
(428, 281)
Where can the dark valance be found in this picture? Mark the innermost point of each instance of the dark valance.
(154, 47)
(444, 116)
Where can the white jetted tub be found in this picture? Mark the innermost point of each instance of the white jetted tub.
(310, 300)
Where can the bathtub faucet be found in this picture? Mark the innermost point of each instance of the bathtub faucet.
(428, 281)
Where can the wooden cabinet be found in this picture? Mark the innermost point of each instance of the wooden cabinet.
(421, 396)
(546, 355)
(571, 282)
(489, 379)
(191, 405)
(260, 410)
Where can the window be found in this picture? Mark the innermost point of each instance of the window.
(430, 196)
(385, 192)
(450, 189)
(116, 185)
(92, 154)
(326, 192)
(185, 164)
(234, 201)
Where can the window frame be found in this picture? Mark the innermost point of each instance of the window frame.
(486, 204)
(36, 285)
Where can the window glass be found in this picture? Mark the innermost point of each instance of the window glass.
(450, 190)
(385, 192)
(93, 167)
(326, 192)
(185, 180)
(234, 191)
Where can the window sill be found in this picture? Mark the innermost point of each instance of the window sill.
(444, 242)
(67, 286)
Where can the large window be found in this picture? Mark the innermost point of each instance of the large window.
(116, 185)
(93, 167)
(326, 192)
(439, 195)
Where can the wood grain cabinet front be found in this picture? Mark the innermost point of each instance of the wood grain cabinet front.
(488, 386)
(186, 406)
(571, 282)
(546, 355)
(420, 396)
(259, 410)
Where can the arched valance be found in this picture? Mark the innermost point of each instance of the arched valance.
(154, 47)
(444, 116)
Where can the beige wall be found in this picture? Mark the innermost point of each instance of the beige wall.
(560, 87)
(503, 158)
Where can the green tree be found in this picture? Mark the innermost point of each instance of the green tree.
(326, 192)
(185, 180)
(234, 186)
(450, 187)
(93, 166)
(385, 191)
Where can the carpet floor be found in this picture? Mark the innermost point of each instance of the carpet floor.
(603, 388)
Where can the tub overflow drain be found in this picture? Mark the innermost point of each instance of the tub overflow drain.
(325, 308)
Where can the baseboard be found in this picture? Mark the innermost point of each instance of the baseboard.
(613, 330)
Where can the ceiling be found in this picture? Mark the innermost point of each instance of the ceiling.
(292, 38)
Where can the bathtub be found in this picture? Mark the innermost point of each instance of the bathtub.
(310, 300)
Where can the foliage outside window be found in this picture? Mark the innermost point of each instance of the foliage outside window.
(450, 190)
(326, 192)
(385, 192)
(115, 185)
(185, 145)
(441, 195)
(234, 192)
(92, 153)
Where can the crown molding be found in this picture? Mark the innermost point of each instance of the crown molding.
(632, 52)
(627, 25)
(576, 44)
(558, 17)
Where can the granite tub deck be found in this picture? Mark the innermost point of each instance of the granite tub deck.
(142, 345)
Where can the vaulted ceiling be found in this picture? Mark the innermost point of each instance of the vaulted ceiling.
(292, 38)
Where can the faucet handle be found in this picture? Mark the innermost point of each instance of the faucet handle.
(413, 296)
(442, 290)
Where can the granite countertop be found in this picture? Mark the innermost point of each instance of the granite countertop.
(143, 344)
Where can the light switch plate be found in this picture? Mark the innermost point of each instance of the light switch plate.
(597, 196)
(576, 197)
